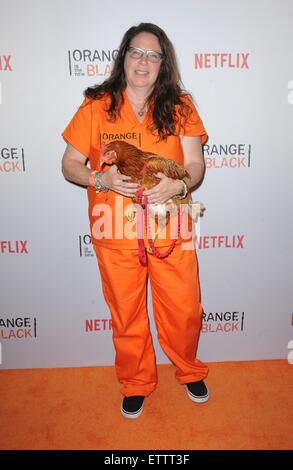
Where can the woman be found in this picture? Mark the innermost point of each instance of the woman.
(143, 104)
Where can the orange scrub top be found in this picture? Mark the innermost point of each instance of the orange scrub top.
(88, 129)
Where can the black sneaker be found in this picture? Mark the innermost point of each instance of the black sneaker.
(132, 407)
(197, 391)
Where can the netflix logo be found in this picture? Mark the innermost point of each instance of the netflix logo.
(98, 324)
(220, 241)
(220, 60)
(13, 247)
(5, 63)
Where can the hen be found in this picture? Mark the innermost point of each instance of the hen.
(142, 167)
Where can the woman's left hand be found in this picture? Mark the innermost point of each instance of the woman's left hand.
(164, 190)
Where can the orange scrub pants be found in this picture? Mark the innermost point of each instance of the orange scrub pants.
(177, 314)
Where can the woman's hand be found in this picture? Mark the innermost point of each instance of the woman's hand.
(164, 190)
(117, 182)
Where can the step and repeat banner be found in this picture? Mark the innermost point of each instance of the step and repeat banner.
(236, 60)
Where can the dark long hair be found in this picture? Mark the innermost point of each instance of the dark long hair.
(167, 91)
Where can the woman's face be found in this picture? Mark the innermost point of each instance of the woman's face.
(141, 74)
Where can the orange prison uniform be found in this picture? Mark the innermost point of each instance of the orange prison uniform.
(174, 280)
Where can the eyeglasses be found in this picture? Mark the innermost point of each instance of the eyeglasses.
(137, 53)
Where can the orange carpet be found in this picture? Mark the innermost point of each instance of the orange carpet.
(251, 407)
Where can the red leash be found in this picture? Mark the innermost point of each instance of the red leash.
(142, 205)
(141, 248)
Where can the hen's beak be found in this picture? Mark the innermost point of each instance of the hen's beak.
(107, 161)
(108, 157)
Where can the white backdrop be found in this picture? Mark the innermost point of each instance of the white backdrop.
(236, 59)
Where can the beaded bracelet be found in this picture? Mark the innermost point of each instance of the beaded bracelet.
(95, 180)
(99, 185)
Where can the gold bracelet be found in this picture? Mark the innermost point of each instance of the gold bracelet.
(180, 195)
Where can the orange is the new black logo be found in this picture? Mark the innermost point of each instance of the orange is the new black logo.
(85, 246)
(89, 63)
(18, 327)
(12, 160)
(233, 156)
(223, 322)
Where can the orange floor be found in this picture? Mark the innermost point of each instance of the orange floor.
(251, 407)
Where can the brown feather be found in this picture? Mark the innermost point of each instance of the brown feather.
(131, 160)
